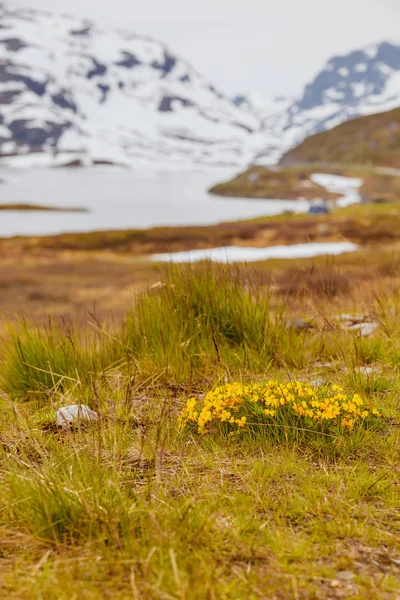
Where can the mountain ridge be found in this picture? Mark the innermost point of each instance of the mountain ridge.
(72, 92)
(69, 87)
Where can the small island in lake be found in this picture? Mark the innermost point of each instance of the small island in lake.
(33, 207)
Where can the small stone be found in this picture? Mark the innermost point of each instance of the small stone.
(365, 329)
(364, 370)
(351, 318)
(70, 415)
(367, 370)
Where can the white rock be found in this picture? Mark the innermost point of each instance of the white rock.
(351, 318)
(367, 370)
(69, 415)
(324, 365)
(365, 329)
(364, 370)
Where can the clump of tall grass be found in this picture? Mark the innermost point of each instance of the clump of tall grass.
(206, 317)
(75, 499)
(200, 323)
(39, 361)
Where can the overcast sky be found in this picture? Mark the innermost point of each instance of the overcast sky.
(269, 46)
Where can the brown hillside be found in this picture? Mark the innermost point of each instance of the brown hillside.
(371, 140)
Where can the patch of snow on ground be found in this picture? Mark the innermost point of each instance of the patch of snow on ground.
(227, 254)
(347, 187)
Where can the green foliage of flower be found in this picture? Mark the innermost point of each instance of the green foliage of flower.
(237, 406)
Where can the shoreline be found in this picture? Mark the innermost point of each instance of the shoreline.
(360, 224)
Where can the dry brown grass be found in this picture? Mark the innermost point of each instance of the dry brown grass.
(361, 224)
(100, 272)
(61, 283)
(373, 140)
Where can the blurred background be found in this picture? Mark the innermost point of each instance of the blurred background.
(260, 132)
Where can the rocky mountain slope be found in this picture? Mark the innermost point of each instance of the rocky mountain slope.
(71, 92)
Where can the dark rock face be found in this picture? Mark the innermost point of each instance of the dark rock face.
(248, 129)
(73, 163)
(166, 104)
(215, 91)
(9, 96)
(80, 32)
(104, 92)
(13, 44)
(36, 137)
(9, 72)
(167, 66)
(129, 60)
(240, 100)
(97, 71)
(63, 101)
(343, 73)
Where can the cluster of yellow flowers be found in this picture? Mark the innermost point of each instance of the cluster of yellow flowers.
(236, 405)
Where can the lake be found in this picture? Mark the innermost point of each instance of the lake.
(123, 199)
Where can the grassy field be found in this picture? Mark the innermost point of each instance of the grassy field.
(135, 507)
(100, 272)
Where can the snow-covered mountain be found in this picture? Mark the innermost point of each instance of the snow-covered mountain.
(360, 83)
(71, 91)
